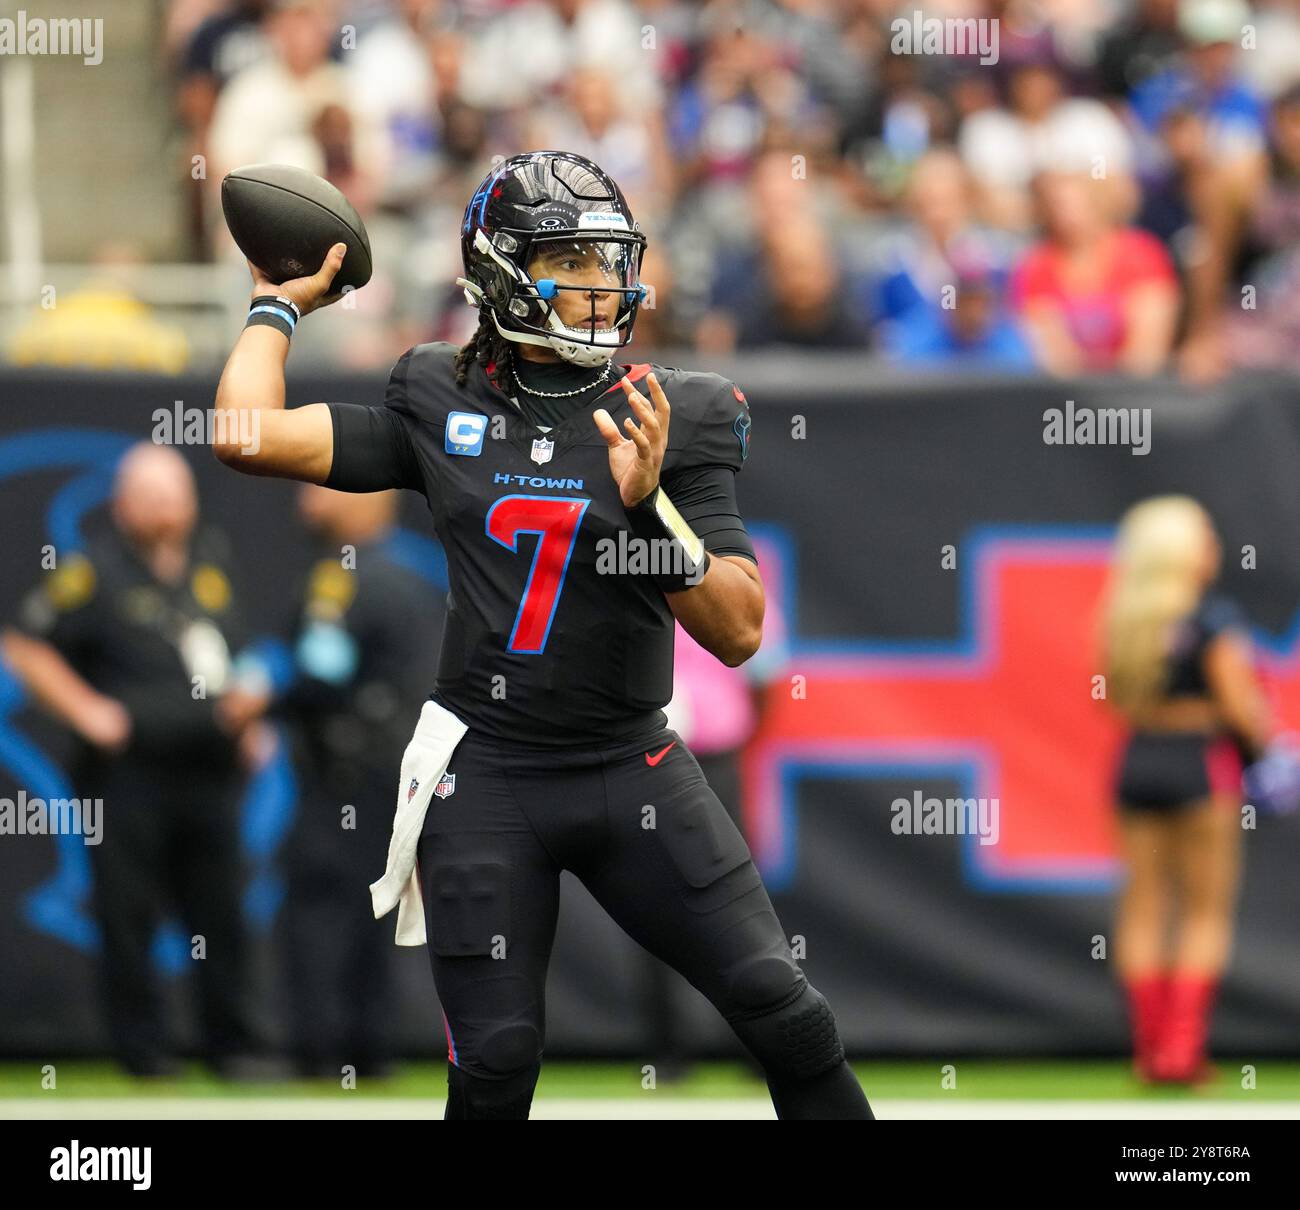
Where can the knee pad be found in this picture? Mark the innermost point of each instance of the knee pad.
(759, 983)
(510, 1048)
(796, 1039)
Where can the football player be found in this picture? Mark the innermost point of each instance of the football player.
(583, 505)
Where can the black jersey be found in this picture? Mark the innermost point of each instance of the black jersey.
(1214, 614)
(163, 650)
(542, 645)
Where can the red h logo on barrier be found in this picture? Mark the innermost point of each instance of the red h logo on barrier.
(1011, 704)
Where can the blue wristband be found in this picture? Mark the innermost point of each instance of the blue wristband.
(273, 311)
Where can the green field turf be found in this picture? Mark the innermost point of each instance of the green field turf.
(1276, 1080)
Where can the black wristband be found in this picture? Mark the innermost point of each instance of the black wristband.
(273, 310)
(676, 553)
(279, 300)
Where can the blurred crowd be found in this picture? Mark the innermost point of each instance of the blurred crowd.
(1118, 191)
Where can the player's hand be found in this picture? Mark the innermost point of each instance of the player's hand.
(634, 460)
(310, 293)
(106, 724)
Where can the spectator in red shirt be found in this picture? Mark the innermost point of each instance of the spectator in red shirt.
(1094, 296)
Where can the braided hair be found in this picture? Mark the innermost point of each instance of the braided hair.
(489, 348)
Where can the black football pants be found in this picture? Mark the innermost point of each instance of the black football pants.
(657, 850)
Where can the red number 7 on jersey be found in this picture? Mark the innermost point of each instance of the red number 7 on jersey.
(555, 519)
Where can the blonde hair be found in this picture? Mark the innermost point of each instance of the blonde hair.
(1157, 578)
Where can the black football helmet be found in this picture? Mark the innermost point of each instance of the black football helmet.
(541, 210)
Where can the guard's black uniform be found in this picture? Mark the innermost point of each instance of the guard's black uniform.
(170, 834)
(364, 649)
(560, 672)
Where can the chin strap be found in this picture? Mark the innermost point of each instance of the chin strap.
(574, 352)
(578, 353)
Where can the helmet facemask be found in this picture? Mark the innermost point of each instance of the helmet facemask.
(592, 279)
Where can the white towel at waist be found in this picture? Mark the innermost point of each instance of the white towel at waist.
(423, 764)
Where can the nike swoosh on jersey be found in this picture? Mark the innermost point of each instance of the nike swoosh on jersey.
(658, 755)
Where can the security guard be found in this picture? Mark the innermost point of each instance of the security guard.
(364, 645)
(129, 644)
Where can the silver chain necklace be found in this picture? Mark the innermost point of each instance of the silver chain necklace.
(561, 394)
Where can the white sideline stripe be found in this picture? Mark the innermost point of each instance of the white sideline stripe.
(642, 1108)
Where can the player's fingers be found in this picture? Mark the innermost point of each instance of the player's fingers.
(641, 406)
(330, 266)
(607, 428)
(631, 392)
(646, 414)
(643, 447)
(262, 281)
(662, 407)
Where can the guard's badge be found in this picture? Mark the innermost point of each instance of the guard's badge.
(210, 587)
(415, 785)
(542, 450)
(330, 590)
(446, 787)
(741, 429)
(72, 585)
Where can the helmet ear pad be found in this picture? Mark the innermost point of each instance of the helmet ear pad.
(501, 272)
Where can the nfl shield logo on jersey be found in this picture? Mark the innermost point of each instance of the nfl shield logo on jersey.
(415, 785)
(542, 450)
(446, 787)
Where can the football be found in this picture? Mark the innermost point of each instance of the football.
(286, 219)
